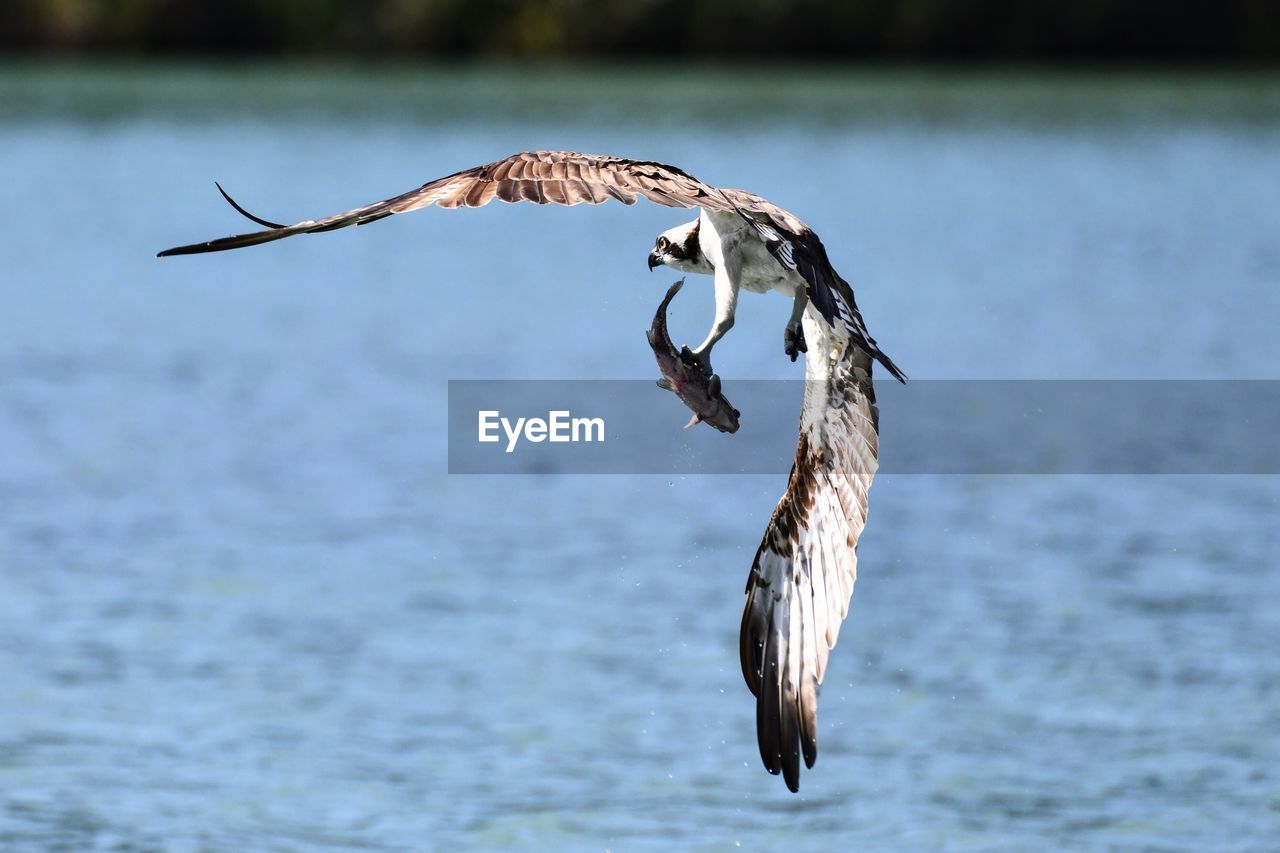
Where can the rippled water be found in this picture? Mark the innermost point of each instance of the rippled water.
(243, 606)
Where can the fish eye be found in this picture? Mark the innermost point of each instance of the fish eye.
(663, 243)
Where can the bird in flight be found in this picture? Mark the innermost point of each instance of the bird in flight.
(803, 573)
(738, 238)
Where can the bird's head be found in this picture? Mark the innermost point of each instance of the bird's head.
(679, 249)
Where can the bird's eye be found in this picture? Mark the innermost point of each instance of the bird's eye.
(663, 243)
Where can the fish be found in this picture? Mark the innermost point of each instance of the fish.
(683, 376)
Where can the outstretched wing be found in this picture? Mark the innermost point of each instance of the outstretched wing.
(542, 177)
(569, 178)
(802, 578)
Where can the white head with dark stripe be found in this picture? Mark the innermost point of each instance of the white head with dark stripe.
(679, 249)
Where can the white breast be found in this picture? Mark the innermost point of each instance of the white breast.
(725, 236)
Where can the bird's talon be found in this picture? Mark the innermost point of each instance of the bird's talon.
(794, 342)
(702, 360)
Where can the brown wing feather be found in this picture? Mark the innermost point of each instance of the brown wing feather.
(569, 178)
(803, 573)
(543, 177)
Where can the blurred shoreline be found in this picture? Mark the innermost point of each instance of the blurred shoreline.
(632, 91)
(1009, 30)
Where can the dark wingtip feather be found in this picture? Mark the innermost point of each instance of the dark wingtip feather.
(809, 733)
(790, 752)
(246, 214)
(224, 243)
(749, 654)
(891, 367)
(376, 217)
(768, 707)
(788, 724)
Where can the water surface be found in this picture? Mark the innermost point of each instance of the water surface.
(243, 606)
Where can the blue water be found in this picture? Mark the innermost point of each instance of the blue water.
(242, 605)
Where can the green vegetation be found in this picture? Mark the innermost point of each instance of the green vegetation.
(1005, 30)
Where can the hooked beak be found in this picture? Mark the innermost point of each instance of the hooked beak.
(654, 263)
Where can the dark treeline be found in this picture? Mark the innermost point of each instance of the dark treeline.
(997, 30)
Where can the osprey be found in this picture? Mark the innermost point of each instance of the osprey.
(803, 573)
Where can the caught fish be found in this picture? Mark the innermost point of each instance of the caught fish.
(683, 376)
